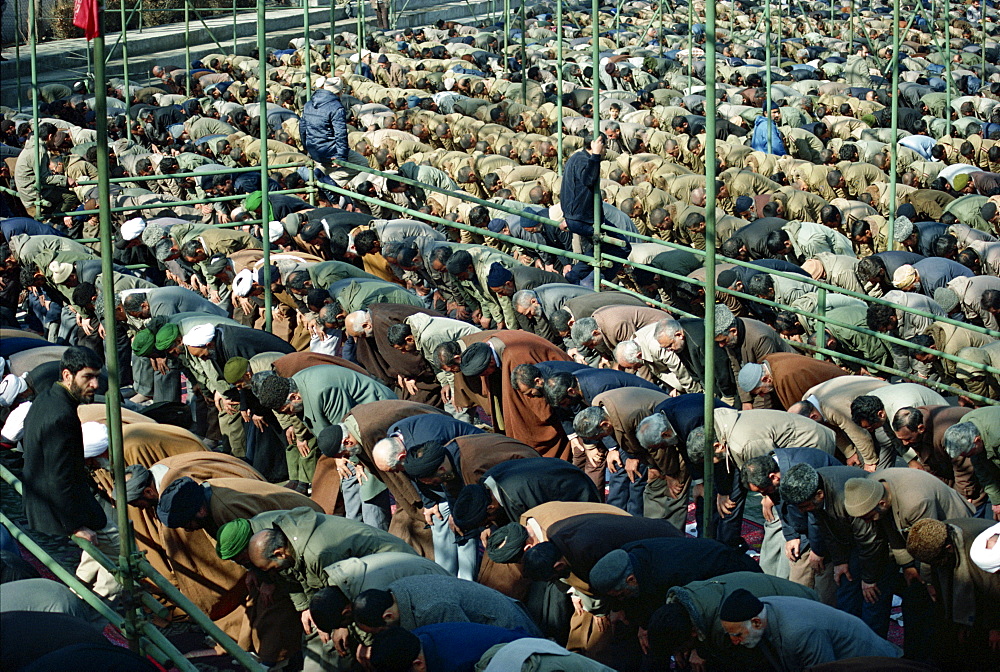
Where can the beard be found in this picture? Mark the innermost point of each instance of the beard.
(81, 393)
(753, 637)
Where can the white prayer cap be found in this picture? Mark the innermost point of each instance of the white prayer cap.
(133, 228)
(237, 213)
(275, 230)
(13, 429)
(199, 336)
(243, 282)
(10, 387)
(95, 438)
(987, 559)
(60, 271)
(449, 83)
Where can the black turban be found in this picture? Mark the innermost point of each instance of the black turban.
(330, 441)
(469, 510)
(506, 545)
(423, 461)
(476, 359)
(179, 503)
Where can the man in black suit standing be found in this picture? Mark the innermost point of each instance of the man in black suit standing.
(59, 493)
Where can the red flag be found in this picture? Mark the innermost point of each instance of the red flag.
(85, 15)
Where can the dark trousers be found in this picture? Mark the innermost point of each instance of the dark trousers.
(729, 528)
(850, 599)
(625, 494)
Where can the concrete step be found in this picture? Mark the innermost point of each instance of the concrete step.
(66, 60)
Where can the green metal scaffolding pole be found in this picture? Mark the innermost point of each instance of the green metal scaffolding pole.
(711, 106)
(265, 204)
(559, 87)
(595, 56)
(893, 142)
(113, 399)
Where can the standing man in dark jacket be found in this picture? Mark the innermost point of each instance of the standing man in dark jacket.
(323, 127)
(581, 177)
(59, 494)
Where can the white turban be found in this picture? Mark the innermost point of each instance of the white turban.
(331, 84)
(95, 438)
(449, 83)
(199, 336)
(275, 230)
(133, 228)
(13, 429)
(243, 282)
(987, 559)
(10, 387)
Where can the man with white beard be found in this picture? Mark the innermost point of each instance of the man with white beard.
(795, 634)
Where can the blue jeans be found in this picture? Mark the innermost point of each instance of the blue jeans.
(625, 494)
(850, 599)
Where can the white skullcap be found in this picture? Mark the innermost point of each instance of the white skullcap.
(334, 84)
(987, 559)
(237, 213)
(95, 438)
(243, 282)
(199, 336)
(275, 230)
(13, 429)
(133, 228)
(449, 83)
(60, 271)
(904, 277)
(10, 387)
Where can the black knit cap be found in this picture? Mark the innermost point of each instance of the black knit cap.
(740, 606)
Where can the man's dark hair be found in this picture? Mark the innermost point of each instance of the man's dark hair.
(866, 408)
(369, 606)
(327, 608)
(879, 316)
(446, 352)
(694, 219)
(459, 262)
(524, 374)
(869, 268)
(969, 258)
(859, 229)
(833, 177)
(84, 294)
(776, 241)
(945, 246)
(397, 333)
(560, 320)
(990, 299)
(297, 279)
(829, 213)
(365, 241)
(557, 387)
(787, 322)
(770, 209)
(757, 471)
(441, 255)
(539, 561)
(759, 284)
(191, 248)
(908, 417)
(394, 650)
(77, 358)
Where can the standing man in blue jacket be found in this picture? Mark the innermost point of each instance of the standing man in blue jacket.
(323, 127)
(581, 175)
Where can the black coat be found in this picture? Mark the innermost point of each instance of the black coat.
(585, 539)
(661, 564)
(527, 483)
(232, 341)
(59, 494)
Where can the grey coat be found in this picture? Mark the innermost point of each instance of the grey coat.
(424, 600)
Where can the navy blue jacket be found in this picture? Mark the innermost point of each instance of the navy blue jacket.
(14, 226)
(661, 564)
(324, 127)
(443, 429)
(594, 381)
(457, 647)
(686, 413)
(580, 176)
(937, 272)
